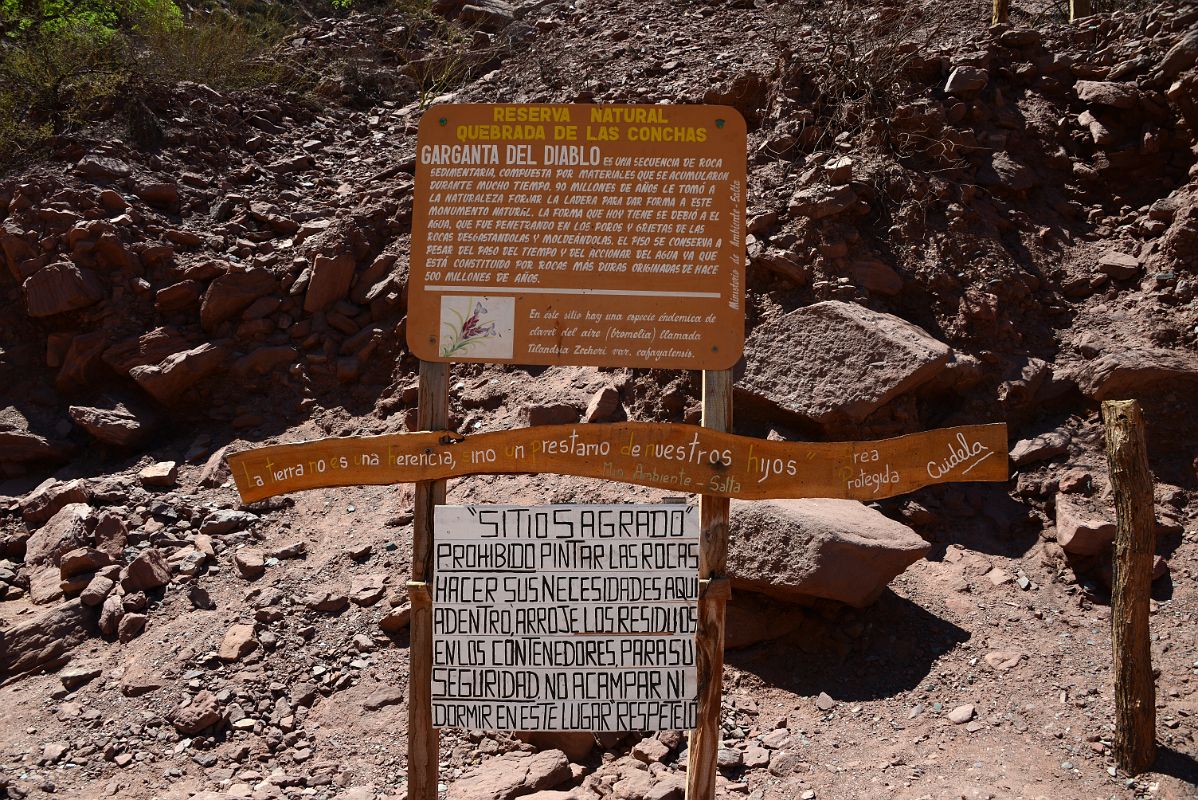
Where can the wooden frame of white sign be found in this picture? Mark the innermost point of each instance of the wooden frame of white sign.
(424, 739)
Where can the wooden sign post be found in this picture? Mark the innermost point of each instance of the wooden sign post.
(595, 236)
(1135, 543)
(423, 738)
(713, 594)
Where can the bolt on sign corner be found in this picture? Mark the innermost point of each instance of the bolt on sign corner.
(601, 235)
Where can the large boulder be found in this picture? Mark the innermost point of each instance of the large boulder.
(801, 549)
(1082, 530)
(230, 294)
(59, 288)
(69, 529)
(512, 775)
(117, 425)
(175, 374)
(833, 362)
(50, 497)
(1136, 372)
(46, 640)
(330, 281)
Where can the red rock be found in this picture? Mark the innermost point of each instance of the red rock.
(265, 359)
(835, 549)
(59, 288)
(751, 618)
(366, 590)
(1136, 373)
(249, 563)
(160, 473)
(1080, 530)
(603, 406)
(116, 426)
(551, 414)
(111, 612)
(175, 374)
(330, 281)
(833, 362)
(1107, 93)
(96, 591)
(512, 775)
(131, 626)
(820, 201)
(966, 81)
(146, 349)
(876, 276)
(83, 364)
(148, 571)
(487, 15)
(215, 470)
(50, 497)
(16, 251)
(397, 619)
(177, 296)
(237, 643)
(102, 168)
(232, 293)
(163, 195)
(67, 530)
(45, 585)
(21, 446)
(577, 745)
(330, 599)
(1119, 266)
(44, 641)
(202, 712)
(81, 560)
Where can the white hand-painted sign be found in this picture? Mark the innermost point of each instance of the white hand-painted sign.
(567, 617)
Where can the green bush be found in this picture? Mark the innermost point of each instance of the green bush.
(64, 63)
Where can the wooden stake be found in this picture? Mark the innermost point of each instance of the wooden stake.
(1135, 541)
(1002, 12)
(423, 738)
(1079, 9)
(709, 639)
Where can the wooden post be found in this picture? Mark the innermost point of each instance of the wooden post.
(423, 738)
(1135, 541)
(1002, 12)
(1079, 9)
(713, 594)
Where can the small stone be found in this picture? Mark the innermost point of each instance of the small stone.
(96, 590)
(380, 698)
(329, 599)
(131, 626)
(238, 642)
(161, 473)
(961, 714)
(75, 677)
(148, 571)
(650, 751)
(249, 563)
(202, 712)
(1066, 765)
(727, 758)
(825, 702)
(1119, 266)
(397, 619)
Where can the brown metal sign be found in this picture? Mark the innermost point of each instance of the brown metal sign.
(602, 235)
(683, 458)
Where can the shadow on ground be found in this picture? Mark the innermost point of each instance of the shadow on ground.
(854, 654)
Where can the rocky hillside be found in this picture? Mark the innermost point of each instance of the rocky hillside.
(948, 223)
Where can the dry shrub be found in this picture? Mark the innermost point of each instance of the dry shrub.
(853, 66)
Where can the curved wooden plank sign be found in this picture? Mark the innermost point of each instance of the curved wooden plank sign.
(683, 458)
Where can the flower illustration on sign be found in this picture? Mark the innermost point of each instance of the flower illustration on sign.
(467, 332)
